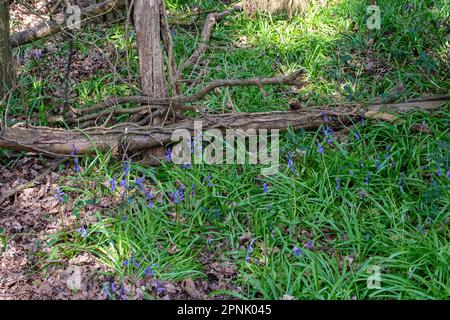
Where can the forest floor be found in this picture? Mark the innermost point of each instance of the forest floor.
(347, 202)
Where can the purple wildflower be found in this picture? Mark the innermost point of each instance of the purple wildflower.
(158, 287)
(59, 195)
(356, 135)
(265, 187)
(37, 54)
(125, 262)
(324, 117)
(112, 185)
(296, 251)
(74, 151)
(309, 245)
(168, 154)
(107, 292)
(448, 174)
(77, 166)
(328, 134)
(320, 148)
(139, 183)
(338, 183)
(208, 178)
(439, 173)
(249, 250)
(83, 232)
(135, 263)
(123, 184)
(367, 178)
(113, 286)
(121, 292)
(126, 168)
(149, 272)
(290, 164)
(193, 190)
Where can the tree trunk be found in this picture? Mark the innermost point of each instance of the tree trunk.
(6, 66)
(147, 23)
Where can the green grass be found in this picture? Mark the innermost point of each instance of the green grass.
(397, 220)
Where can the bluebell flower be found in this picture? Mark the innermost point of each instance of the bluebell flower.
(448, 174)
(324, 117)
(37, 54)
(121, 292)
(328, 134)
(265, 187)
(168, 154)
(139, 183)
(113, 286)
(107, 292)
(320, 149)
(112, 185)
(356, 135)
(249, 250)
(290, 163)
(59, 195)
(176, 198)
(77, 166)
(150, 204)
(125, 262)
(193, 190)
(338, 183)
(296, 251)
(439, 173)
(149, 272)
(309, 245)
(159, 288)
(135, 263)
(126, 168)
(377, 161)
(83, 232)
(367, 178)
(74, 151)
(208, 178)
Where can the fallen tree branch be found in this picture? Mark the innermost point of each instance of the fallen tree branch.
(110, 106)
(56, 24)
(60, 142)
(211, 20)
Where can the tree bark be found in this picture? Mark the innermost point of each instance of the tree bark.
(147, 23)
(6, 65)
(134, 139)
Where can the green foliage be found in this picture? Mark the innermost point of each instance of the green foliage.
(375, 198)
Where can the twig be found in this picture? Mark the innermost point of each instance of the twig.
(8, 194)
(211, 20)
